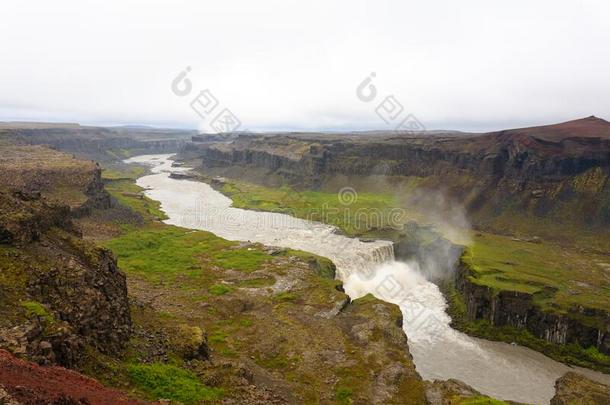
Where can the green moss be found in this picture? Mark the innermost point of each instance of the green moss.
(125, 173)
(323, 267)
(218, 289)
(277, 361)
(246, 259)
(367, 299)
(558, 277)
(258, 282)
(160, 252)
(218, 337)
(344, 395)
(285, 296)
(162, 381)
(35, 308)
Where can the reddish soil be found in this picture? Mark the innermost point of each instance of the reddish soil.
(29, 383)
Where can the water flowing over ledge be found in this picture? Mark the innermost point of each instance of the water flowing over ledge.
(496, 369)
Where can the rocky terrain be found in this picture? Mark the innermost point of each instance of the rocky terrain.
(59, 293)
(573, 389)
(277, 330)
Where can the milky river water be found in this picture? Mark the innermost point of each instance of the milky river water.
(497, 369)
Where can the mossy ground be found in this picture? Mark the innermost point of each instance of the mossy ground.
(122, 187)
(354, 215)
(166, 381)
(558, 277)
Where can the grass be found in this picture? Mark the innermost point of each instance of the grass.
(559, 278)
(368, 211)
(131, 172)
(160, 252)
(131, 195)
(285, 296)
(344, 395)
(218, 289)
(163, 381)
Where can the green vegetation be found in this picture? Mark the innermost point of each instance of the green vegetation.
(323, 267)
(160, 252)
(285, 296)
(37, 309)
(163, 381)
(131, 195)
(257, 282)
(218, 289)
(246, 260)
(481, 400)
(344, 395)
(558, 278)
(367, 212)
(130, 172)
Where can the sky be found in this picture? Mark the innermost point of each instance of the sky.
(300, 65)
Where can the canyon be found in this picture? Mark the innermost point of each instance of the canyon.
(544, 184)
(62, 208)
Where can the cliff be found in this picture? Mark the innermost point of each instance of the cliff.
(103, 144)
(577, 325)
(58, 293)
(557, 172)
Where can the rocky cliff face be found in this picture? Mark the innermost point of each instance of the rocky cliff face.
(543, 172)
(583, 326)
(98, 143)
(58, 293)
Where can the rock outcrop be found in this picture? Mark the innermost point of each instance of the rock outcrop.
(518, 309)
(574, 389)
(58, 293)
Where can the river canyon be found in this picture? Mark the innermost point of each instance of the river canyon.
(497, 369)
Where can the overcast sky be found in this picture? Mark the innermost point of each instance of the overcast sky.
(468, 65)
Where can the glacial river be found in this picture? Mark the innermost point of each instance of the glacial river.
(497, 369)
